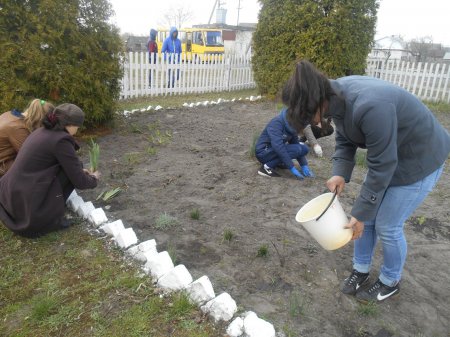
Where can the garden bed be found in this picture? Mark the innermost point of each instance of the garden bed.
(229, 223)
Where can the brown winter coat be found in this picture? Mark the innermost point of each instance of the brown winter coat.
(13, 133)
(31, 192)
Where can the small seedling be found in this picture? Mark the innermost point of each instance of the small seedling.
(252, 150)
(263, 251)
(108, 195)
(361, 158)
(368, 309)
(172, 252)
(195, 214)
(133, 158)
(421, 220)
(152, 150)
(297, 305)
(165, 221)
(94, 153)
(228, 235)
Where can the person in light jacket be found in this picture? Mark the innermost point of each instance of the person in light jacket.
(34, 191)
(172, 50)
(16, 126)
(391, 124)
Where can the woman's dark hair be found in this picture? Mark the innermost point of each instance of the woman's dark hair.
(63, 115)
(304, 93)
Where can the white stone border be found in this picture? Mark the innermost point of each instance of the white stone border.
(127, 113)
(159, 266)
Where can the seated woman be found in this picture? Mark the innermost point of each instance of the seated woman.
(277, 145)
(34, 191)
(15, 128)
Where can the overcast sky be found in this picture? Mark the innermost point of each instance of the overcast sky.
(408, 18)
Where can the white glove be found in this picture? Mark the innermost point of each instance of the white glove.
(318, 150)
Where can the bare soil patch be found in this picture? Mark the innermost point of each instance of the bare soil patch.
(176, 161)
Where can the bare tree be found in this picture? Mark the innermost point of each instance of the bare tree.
(421, 48)
(176, 16)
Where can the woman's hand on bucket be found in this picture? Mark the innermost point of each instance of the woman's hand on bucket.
(357, 227)
(336, 182)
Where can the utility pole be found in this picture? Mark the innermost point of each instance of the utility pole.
(239, 8)
(212, 12)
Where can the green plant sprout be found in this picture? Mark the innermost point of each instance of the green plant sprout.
(94, 153)
(108, 195)
(195, 214)
(228, 235)
(263, 251)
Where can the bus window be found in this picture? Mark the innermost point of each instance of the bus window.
(214, 38)
(198, 38)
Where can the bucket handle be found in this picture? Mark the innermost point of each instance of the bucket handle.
(326, 209)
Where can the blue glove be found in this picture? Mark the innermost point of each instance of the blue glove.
(307, 171)
(296, 173)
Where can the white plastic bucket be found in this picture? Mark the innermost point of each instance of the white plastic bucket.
(329, 230)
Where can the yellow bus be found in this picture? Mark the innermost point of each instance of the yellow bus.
(196, 42)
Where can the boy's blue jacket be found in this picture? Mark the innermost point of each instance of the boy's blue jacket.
(276, 135)
(172, 46)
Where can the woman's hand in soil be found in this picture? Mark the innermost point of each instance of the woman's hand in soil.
(357, 227)
(96, 174)
(336, 182)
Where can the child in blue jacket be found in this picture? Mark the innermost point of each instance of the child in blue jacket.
(277, 145)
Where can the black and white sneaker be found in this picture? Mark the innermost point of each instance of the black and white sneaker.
(266, 171)
(377, 292)
(354, 282)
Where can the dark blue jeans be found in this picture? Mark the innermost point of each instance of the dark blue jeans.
(296, 151)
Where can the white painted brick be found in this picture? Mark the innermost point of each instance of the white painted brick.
(236, 328)
(176, 279)
(75, 202)
(97, 217)
(84, 209)
(221, 308)
(257, 327)
(126, 238)
(71, 196)
(201, 290)
(113, 228)
(145, 256)
(159, 264)
(142, 251)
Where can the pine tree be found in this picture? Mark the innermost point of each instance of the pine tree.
(336, 35)
(63, 51)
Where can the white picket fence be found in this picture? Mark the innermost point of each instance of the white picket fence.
(199, 75)
(428, 81)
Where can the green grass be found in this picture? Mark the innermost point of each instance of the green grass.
(252, 150)
(165, 221)
(263, 251)
(70, 283)
(195, 214)
(368, 309)
(361, 158)
(442, 107)
(178, 100)
(297, 305)
(228, 235)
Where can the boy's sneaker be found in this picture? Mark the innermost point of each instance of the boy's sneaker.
(353, 282)
(377, 292)
(266, 171)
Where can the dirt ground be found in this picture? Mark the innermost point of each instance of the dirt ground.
(176, 161)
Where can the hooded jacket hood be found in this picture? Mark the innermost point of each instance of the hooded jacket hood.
(153, 34)
(173, 30)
